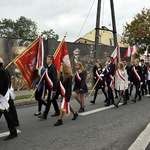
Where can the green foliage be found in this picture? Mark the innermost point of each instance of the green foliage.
(138, 31)
(23, 28)
(49, 34)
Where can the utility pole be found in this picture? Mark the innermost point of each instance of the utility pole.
(113, 22)
(97, 30)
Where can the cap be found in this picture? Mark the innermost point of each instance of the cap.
(1, 60)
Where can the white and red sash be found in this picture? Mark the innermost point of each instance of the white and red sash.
(98, 76)
(112, 79)
(136, 74)
(120, 75)
(50, 82)
(64, 105)
(78, 77)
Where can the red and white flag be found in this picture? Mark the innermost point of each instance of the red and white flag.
(128, 52)
(62, 56)
(114, 55)
(26, 62)
(40, 54)
(133, 50)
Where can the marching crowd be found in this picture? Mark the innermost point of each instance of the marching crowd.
(120, 78)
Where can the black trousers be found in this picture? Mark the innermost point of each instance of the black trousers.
(110, 93)
(13, 111)
(38, 97)
(143, 88)
(127, 94)
(148, 83)
(10, 122)
(96, 91)
(137, 92)
(49, 101)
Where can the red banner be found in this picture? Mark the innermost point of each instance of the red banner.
(62, 56)
(27, 63)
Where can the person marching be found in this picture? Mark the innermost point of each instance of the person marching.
(51, 85)
(128, 73)
(136, 78)
(101, 82)
(121, 83)
(144, 73)
(80, 87)
(4, 102)
(148, 79)
(40, 92)
(108, 74)
(65, 84)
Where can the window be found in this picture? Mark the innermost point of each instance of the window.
(111, 42)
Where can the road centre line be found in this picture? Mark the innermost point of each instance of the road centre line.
(97, 110)
(7, 133)
(142, 140)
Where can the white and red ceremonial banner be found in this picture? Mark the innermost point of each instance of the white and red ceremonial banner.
(62, 56)
(26, 62)
(116, 54)
(40, 54)
(130, 51)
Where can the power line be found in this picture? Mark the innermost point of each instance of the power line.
(85, 19)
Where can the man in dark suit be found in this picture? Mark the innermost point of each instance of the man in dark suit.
(109, 76)
(144, 72)
(4, 99)
(128, 72)
(51, 84)
(136, 78)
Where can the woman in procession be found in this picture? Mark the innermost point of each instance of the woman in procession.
(121, 83)
(65, 88)
(100, 82)
(80, 87)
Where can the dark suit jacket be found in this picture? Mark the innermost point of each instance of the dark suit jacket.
(111, 70)
(82, 84)
(52, 73)
(144, 72)
(133, 77)
(4, 81)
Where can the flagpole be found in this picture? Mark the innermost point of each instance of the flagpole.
(38, 85)
(60, 44)
(94, 87)
(22, 52)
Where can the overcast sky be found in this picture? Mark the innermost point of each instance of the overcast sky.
(69, 15)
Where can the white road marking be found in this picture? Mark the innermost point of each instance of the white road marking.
(97, 110)
(142, 141)
(7, 133)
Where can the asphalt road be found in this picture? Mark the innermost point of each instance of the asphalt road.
(111, 129)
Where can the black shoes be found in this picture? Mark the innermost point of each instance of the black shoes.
(139, 99)
(58, 123)
(107, 104)
(81, 110)
(75, 116)
(42, 117)
(116, 105)
(93, 102)
(16, 124)
(133, 100)
(37, 114)
(124, 103)
(55, 114)
(11, 136)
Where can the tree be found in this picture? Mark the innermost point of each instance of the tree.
(49, 34)
(23, 28)
(138, 31)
